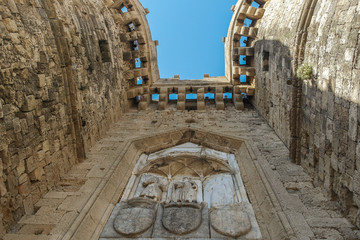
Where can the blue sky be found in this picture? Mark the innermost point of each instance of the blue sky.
(189, 34)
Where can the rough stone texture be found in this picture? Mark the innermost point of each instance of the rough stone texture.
(230, 221)
(295, 192)
(62, 83)
(326, 126)
(331, 103)
(56, 95)
(276, 33)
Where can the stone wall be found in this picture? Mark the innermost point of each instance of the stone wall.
(276, 36)
(318, 119)
(60, 88)
(331, 103)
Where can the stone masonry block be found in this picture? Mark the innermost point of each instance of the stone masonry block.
(353, 122)
(10, 25)
(17, 125)
(239, 105)
(200, 105)
(162, 105)
(181, 105)
(41, 80)
(220, 106)
(1, 110)
(219, 97)
(143, 105)
(30, 164)
(181, 97)
(29, 104)
(36, 174)
(3, 190)
(163, 97)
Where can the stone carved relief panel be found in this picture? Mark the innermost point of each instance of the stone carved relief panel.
(186, 191)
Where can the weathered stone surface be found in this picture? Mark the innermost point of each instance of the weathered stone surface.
(138, 217)
(231, 221)
(182, 218)
(62, 84)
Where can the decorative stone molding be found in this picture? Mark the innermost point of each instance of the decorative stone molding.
(189, 181)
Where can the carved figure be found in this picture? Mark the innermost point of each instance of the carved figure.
(153, 189)
(184, 191)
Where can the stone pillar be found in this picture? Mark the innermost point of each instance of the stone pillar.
(219, 98)
(181, 98)
(145, 99)
(237, 99)
(163, 98)
(200, 99)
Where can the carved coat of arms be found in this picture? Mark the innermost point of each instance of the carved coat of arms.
(183, 214)
(136, 217)
(182, 218)
(232, 221)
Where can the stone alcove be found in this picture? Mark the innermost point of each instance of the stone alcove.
(187, 190)
(254, 170)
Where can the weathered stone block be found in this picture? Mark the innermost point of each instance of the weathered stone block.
(162, 105)
(239, 105)
(24, 126)
(1, 110)
(3, 190)
(181, 97)
(143, 105)
(180, 105)
(200, 105)
(42, 124)
(24, 189)
(30, 164)
(17, 125)
(10, 25)
(36, 174)
(30, 103)
(41, 80)
(220, 106)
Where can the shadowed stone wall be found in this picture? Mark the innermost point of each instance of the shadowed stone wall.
(60, 88)
(273, 97)
(319, 118)
(331, 103)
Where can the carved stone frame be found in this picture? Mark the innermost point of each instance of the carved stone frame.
(258, 181)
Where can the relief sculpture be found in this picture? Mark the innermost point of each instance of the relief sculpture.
(185, 198)
(183, 214)
(153, 189)
(184, 191)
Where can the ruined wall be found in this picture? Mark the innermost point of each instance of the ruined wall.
(60, 88)
(325, 35)
(331, 103)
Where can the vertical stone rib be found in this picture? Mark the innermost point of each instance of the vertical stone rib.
(295, 116)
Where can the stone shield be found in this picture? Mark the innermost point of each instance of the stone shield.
(137, 217)
(231, 221)
(182, 218)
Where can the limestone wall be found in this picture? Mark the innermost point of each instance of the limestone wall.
(331, 103)
(276, 36)
(60, 88)
(323, 112)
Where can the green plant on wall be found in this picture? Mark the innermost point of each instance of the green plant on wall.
(83, 87)
(304, 72)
